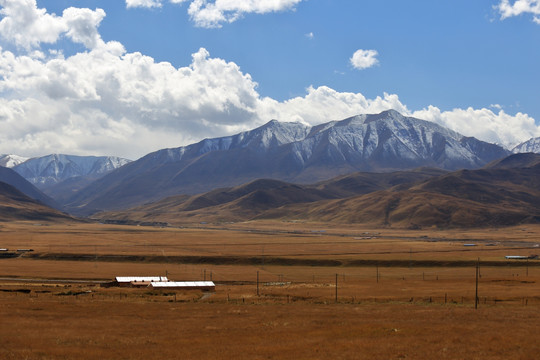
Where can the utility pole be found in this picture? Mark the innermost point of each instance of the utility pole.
(476, 290)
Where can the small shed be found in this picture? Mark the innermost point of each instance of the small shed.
(184, 285)
(138, 281)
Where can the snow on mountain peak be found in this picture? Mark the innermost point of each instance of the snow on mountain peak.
(10, 160)
(54, 168)
(531, 145)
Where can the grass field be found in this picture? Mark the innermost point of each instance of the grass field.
(322, 292)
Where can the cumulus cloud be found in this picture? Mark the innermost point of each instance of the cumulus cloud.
(149, 3)
(27, 26)
(508, 9)
(104, 99)
(143, 3)
(213, 14)
(82, 26)
(363, 59)
(484, 124)
(107, 101)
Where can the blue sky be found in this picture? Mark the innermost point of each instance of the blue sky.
(468, 65)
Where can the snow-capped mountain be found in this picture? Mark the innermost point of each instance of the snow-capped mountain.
(290, 152)
(387, 140)
(531, 145)
(52, 169)
(10, 160)
(272, 134)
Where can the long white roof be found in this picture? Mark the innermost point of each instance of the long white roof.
(165, 284)
(140, 278)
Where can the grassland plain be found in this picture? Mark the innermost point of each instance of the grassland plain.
(323, 292)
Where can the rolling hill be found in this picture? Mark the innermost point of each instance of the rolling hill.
(493, 196)
(16, 206)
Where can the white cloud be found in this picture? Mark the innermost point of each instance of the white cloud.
(518, 7)
(85, 99)
(143, 3)
(495, 127)
(82, 26)
(149, 3)
(310, 35)
(213, 14)
(26, 26)
(363, 59)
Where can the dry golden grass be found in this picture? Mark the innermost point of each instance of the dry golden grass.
(409, 313)
(143, 327)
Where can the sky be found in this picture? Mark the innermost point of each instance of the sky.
(128, 77)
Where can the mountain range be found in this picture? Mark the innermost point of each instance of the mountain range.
(289, 152)
(59, 175)
(356, 157)
(52, 169)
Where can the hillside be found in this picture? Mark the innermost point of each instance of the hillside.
(16, 206)
(10, 177)
(422, 198)
(258, 197)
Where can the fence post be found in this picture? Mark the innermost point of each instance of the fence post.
(336, 286)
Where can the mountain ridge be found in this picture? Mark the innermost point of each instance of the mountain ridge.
(290, 152)
(52, 169)
(532, 145)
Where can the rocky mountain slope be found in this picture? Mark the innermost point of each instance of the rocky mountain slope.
(531, 145)
(289, 152)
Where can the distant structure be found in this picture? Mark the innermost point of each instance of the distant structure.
(134, 281)
(158, 283)
(138, 281)
(520, 257)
